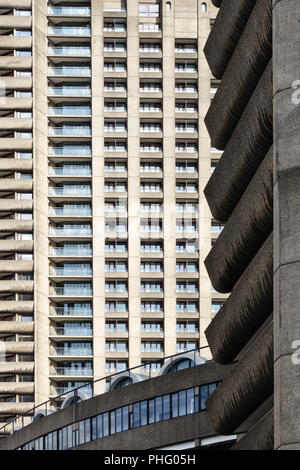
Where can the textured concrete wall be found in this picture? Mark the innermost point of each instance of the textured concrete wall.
(286, 101)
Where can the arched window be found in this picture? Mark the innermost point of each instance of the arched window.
(204, 7)
(123, 383)
(168, 6)
(182, 364)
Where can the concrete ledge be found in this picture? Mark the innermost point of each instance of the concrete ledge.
(20, 246)
(17, 387)
(225, 34)
(245, 310)
(18, 307)
(19, 348)
(7, 225)
(249, 384)
(16, 327)
(242, 74)
(260, 436)
(17, 368)
(15, 205)
(245, 231)
(12, 184)
(248, 146)
(15, 164)
(9, 266)
(15, 286)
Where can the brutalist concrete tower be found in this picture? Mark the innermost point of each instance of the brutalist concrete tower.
(254, 50)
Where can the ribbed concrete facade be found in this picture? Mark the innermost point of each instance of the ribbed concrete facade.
(253, 49)
(104, 156)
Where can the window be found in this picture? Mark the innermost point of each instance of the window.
(168, 7)
(149, 10)
(203, 7)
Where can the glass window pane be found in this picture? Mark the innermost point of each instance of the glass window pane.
(105, 424)
(175, 405)
(182, 403)
(166, 407)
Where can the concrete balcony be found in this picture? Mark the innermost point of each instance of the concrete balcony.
(16, 267)
(16, 368)
(15, 145)
(15, 164)
(19, 348)
(15, 408)
(16, 246)
(24, 287)
(25, 388)
(16, 327)
(15, 124)
(18, 4)
(8, 306)
(18, 22)
(15, 205)
(16, 185)
(15, 42)
(15, 63)
(11, 225)
(17, 83)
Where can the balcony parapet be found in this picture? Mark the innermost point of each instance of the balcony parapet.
(18, 22)
(8, 306)
(26, 388)
(16, 145)
(17, 287)
(16, 327)
(17, 83)
(16, 367)
(15, 124)
(15, 408)
(18, 4)
(15, 42)
(19, 246)
(15, 205)
(15, 164)
(15, 63)
(12, 184)
(24, 226)
(16, 267)
(19, 348)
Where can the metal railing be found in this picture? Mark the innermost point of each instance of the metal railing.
(69, 10)
(47, 407)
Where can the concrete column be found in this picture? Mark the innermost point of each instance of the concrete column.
(40, 195)
(98, 195)
(134, 261)
(286, 51)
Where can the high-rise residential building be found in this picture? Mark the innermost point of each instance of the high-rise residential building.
(104, 156)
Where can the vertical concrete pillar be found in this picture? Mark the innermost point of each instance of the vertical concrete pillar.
(286, 76)
(98, 194)
(40, 196)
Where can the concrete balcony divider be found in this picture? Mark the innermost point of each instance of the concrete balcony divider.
(11, 184)
(16, 267)
(15, 63)
(18, 22)
(19, 348)
(16, 327)
(17, 287)
(18, 4)
(26, 388)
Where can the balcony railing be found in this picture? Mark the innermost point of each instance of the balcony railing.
(73, 332)
(70, 150)
(69, 70)
(70, 111)
(76, 170)
(70, 30)
(69, 291)
(63, 191)
(73, 311)
(69, 211)
(72, 91)
(70, 271)
(65, 10)
(74, 130)
(71, 351)
(69, 50)
(70, 232)
(71, 371)
(65, 390)
(72, 251)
